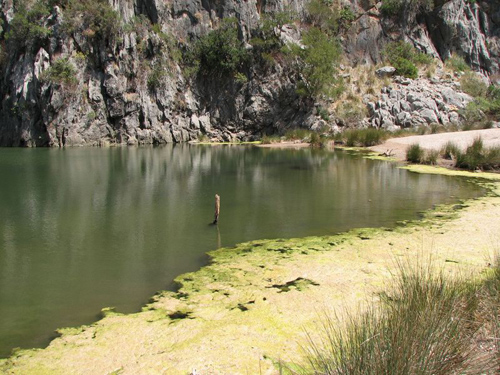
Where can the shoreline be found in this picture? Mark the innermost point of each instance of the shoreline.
(249, 306)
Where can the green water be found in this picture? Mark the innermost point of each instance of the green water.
(81, 229)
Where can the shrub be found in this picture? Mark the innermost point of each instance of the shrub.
(409, 8)
(431, 157)
(404, 57)
(95, 19)
(372, 136)
(316, 63)
(478, 157)
(323, 113)
(156, 77)
(362, 137)
(323, 16)
(268, 139)
(347, 15)
(449, 150)
(457, 64)
(27, 26)
(351, 137)
(391, 8)
(471, 84)
(415, 153)
(219, 52)
(61, 72)
(297, 134)
(240, 78)
(317, 140)
(405, 68)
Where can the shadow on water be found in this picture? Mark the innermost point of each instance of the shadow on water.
(81, 229)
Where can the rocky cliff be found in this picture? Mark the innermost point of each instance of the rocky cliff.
(97, 73)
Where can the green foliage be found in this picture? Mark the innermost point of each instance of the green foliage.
(397, 8)
(316, 140)
(168, 43)
(478, 157)
(61, 72)
(471, 84)
(486, 105)
(268, 139)
(316, 63)
(220, 52)
(362, 137)
(347, 15)
(323, 113)
(27, 26)
(323, 16)
(404, 57)
(415, 154)
(431, 157)
(391, 8)
(450, 150)
(266, 42)
(95, 19)
(297, 134)
(156, 77)
(405, 68)
(457, 64)
(240, 78)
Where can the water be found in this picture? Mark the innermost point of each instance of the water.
(81, 229)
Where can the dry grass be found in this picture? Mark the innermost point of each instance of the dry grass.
(428, 322)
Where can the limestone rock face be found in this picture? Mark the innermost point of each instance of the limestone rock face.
(112, 99)
(419, 102)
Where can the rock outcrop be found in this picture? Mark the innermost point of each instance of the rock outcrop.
(413, 103)
(114, 97)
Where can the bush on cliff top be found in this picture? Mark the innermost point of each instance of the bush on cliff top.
(95, 19)
(27, 26)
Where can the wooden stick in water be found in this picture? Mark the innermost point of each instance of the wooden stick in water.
(217, 208)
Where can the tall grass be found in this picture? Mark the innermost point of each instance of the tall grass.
(364, 137)
(450, 150)
(478, 157)
(415, 153)
(427, 323)
(297, 134)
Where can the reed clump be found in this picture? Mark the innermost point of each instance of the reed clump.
(428, 322)
(477, 156)
(363, 137)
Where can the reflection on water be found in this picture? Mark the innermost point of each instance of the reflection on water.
(81, 229)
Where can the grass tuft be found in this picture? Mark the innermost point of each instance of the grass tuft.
(450, 150)
(363, 137)
(478, 157)
(428, 322)
(415, 154)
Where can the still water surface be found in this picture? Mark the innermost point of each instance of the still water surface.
(81, 229)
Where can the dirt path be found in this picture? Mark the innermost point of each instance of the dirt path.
(491, 137)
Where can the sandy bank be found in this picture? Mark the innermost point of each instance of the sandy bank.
(491, 137)
(253, 302)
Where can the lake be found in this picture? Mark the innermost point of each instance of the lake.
(86, 228)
